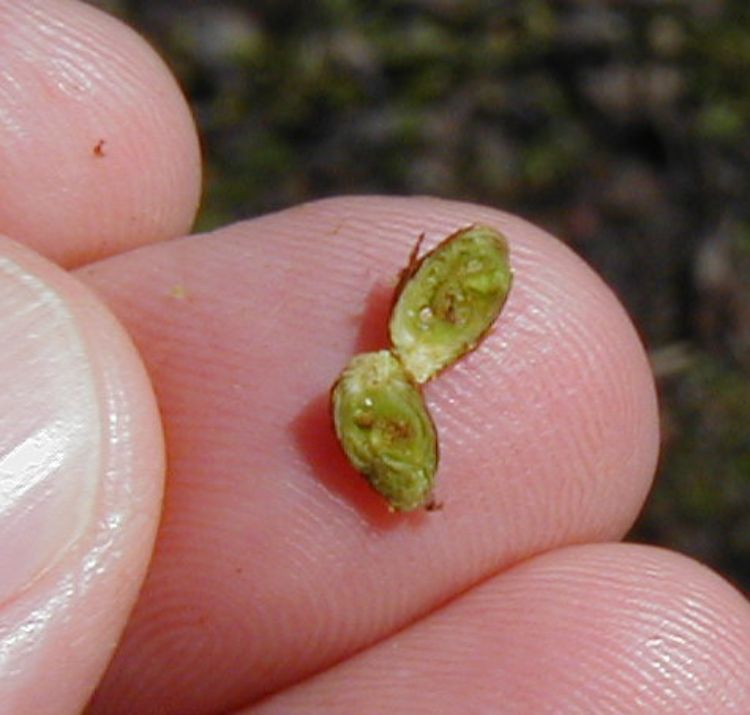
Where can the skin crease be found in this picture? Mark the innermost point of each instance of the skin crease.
(279, 582)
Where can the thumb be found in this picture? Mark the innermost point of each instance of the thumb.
(81, 464)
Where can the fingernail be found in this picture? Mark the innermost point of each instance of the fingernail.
(49, 429)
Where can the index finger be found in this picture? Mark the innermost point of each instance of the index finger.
(275, 559)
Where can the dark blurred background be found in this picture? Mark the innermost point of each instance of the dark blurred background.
(620, 127)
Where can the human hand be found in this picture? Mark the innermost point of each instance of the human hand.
(279, 581)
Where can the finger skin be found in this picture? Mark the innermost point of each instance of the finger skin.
(610, 629)
(58, 631)
(275, 559)
(98, 152)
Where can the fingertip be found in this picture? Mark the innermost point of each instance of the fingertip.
(548, 437)
(99, 151)
(552, 421)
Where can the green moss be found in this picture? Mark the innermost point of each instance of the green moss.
(701, 499)
(720, 121)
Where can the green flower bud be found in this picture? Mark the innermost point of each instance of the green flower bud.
(385, 429)
(445, 304)
(449, 299)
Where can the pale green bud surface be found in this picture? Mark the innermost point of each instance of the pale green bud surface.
(445, 304)
(449, 299)
(385, 430)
